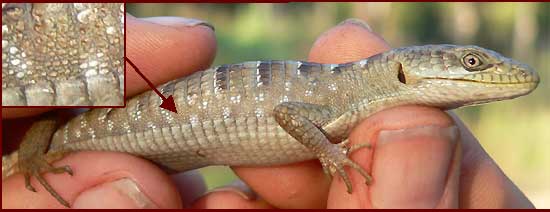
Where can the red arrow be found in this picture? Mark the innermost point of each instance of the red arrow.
(167, 103)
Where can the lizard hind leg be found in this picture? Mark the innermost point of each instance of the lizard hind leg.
(303, 122)
(32, 159)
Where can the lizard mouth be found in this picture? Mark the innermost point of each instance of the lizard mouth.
(495, 80)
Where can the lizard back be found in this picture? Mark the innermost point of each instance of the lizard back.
(221, 112)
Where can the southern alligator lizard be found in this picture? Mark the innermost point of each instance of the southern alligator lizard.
(276, 112)
(62, 54)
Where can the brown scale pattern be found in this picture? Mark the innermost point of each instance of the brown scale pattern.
(62, 54)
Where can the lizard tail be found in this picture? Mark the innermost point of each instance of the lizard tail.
(9, 164)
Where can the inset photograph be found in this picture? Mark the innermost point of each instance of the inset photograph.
(63, 54)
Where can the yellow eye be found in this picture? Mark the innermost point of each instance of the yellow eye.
(471, 61)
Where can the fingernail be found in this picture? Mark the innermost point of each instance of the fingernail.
(238, 187)
(178, 22)
(122, 193)
(411, 165)
(357, 22)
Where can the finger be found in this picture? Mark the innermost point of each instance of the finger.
(483, 184)
(414, 163)
(236, 195)
(165, 48)
(349, 41)
(297, 185)
(110, 180)
(304, 185)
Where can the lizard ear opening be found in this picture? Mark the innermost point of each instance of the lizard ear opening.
(401, 74)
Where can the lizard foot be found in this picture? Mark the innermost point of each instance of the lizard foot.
(335, 161)
(303, 121)
(348, 150)
(33, 160)
(35, 167)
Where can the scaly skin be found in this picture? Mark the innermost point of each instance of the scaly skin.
(62, 54)
(279, 112)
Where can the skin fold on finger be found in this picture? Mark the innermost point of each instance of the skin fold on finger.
(131, 181)
(166, 48)
(303, 185)
(425, 147)
(236, 195)
(451, 194)
(228, 200)
(483, 183)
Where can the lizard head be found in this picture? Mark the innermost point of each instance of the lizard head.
(449, 76)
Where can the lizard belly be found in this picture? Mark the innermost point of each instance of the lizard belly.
(246, 141)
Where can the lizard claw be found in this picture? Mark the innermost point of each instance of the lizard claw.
(335, 161)
(28, 182)
(37, 165)
(61, 170)
(32, 161)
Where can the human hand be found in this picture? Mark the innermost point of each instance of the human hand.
(423, 170)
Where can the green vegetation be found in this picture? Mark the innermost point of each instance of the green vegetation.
(515, 133)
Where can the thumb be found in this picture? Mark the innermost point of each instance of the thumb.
(415, 161)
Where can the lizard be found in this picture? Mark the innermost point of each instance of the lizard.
(263, 113)
(62, 54)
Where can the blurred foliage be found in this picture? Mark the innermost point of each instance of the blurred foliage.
(515, 133)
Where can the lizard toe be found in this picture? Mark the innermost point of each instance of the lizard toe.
(335, 161)
(36, 166)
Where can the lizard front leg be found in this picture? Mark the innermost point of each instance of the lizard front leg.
(32, 160)
(303, 122)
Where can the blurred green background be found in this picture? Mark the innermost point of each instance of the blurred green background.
(515, 133)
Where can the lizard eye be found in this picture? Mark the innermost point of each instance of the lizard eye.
(471, 61)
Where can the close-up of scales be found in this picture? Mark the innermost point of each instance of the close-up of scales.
(62, 54)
